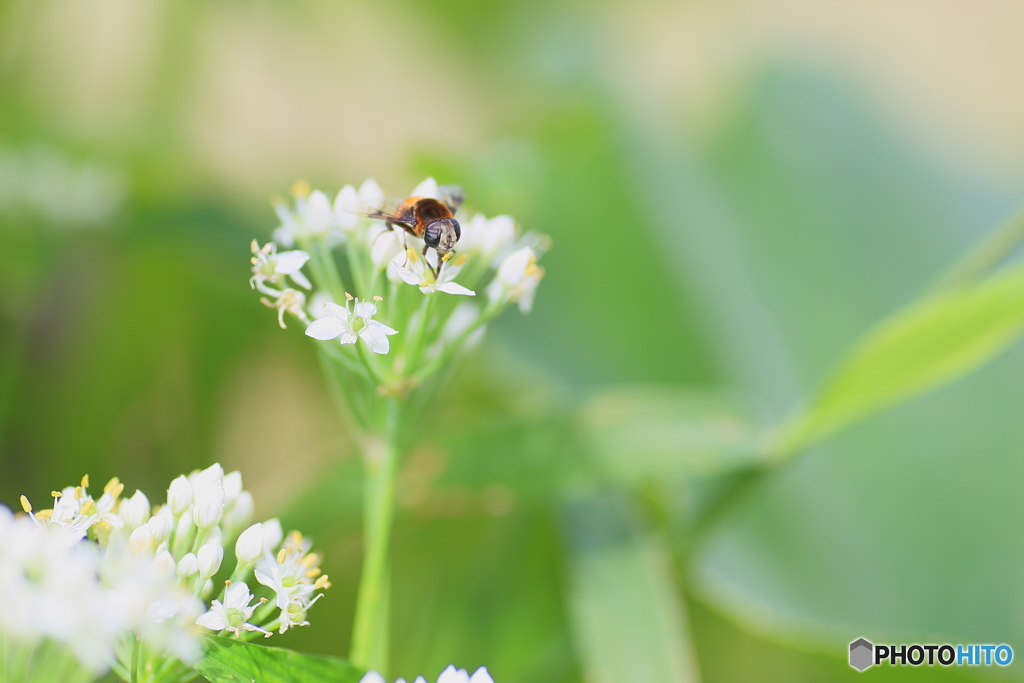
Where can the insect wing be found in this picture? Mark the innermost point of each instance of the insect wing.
(391, 209)
(452, 196)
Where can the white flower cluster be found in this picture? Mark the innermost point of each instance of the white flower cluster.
(489, 253)
(120, 583)
(449, 675)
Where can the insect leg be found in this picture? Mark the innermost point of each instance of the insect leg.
(436, 271)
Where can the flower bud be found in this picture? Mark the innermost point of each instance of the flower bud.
(232, 486)
(272, 534)
(141, 540)
(163, 564)
(134, 511)
(210, 556)
(184, 535)
(249, 546)
(188, 566)
(214, 474)
(239, 514)
(179, 495)
(207, 505)
(161, 528)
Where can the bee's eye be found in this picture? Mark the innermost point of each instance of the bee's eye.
(432, 235)
(458, 230)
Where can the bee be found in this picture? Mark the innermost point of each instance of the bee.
(432, 220)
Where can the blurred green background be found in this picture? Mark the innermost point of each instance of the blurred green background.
(736, 190)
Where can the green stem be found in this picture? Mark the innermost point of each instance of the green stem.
(325, 271)
(369, 634)
(452, 348)
(136, 646)
(415, 347)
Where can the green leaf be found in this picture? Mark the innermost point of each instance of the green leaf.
(227, 659)
(639, 434)
(629, 620)
(927, 344)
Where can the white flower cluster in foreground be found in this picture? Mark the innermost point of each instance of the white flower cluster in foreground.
(388, 268)
(120, 584)
(449, 675)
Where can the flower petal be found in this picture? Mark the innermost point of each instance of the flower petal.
(318, 212)
(481, 676)
(428, 188)
(381, 326)
(287, 262)
(375, 338)
(370, 191)
(407, 275)
(300, 279)
(346, 200)
(348, 338)
(365, 309)
(455, 288)
(212, 621)
(325, 328)
(372, 677)
(453, 675)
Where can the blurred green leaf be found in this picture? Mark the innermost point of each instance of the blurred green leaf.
(227, 660)
(641, 434)
(629, 621)
(930, 342)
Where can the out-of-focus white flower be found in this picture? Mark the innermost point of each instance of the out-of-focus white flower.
(160, 525)
(270, 266)
(449, 675)
(239, 514)
(517, 279)
(352, 325)
(214, 474)
(355, 227)
(288, 301)
(294, 576)
(232, 483)
(273, 534)
(487, 239)
(210, 556)
(415, 271)
(179, 495)
(312, 218)
(234, 613)
(249, 546)
(207, 505)
(134, 511)
(141, 540)
(385, 244)
(188, 566)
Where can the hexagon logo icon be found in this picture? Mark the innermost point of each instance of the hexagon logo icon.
(861, 652)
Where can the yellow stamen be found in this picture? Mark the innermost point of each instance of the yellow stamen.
(321, 582)
(281, 555)
(85, 482)
(78, 493)
(309, 560)
(460, 259)
(264, 601)
(114, 487)
(25, 505)
(411, 254)
(255, 246)
(301, 189)
(349, 296)
(315, 571)
(227, 582)
(104, 524)
(56, 494)
(44, 514)
(295, 538)
(378, 298)
(89, 508)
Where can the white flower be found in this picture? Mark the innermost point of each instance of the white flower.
(351, 325)
(356, 227)
(134, 511)
(208, 504)
(449, 675)
(188, 566)
(488, 239)
(517, 279)
(239, 514)
(249, 546)
(311, 219)
(288, 301)
(385, 244)
(294, 576)
(209, 557)
(141, 540)
(233, 614)
(270, 266)
(272, 534)
(179, 495)
(417, 272)
(160, 525)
